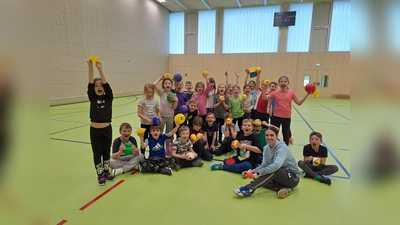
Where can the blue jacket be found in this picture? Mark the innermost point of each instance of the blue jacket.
(277, 157)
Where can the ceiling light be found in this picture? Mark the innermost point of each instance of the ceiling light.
(161, 0)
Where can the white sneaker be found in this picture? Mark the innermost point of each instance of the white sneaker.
(116, 172)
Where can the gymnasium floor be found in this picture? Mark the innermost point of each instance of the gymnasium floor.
(193, 195)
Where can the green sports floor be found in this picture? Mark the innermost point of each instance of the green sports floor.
(193, 195)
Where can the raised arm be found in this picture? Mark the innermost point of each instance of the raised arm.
(102, 76)
(91, 76)
(143, 144)
(258, 80)
(173, 131)
(299, 102)
(226, 78)
(237, 78)
(156, 84)
(247, 76)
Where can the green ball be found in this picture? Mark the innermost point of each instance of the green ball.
(128, 149)
(170, 96)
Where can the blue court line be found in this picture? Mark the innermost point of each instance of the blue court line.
(329, 150)
(343, 149)
(331, 110)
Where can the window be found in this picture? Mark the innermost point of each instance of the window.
(299, 35)
(206, 32)
(306, 80)
(248, 30)
(339, 39)
(324, 81)
(176, 33)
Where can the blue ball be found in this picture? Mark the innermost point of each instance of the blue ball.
(183, 109)
(156, 121)
(177, 77)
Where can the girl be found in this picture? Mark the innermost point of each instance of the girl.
(248, 103)
(229, 86)
(260, 109)
(277, 172)
(247, 154)
(221, 102)
(210, 96)
(252, 84)
(166, 108)
(101, 97)
(201, 97)
(314, 151)
(148, 109)
(236, 106)
(283, 108)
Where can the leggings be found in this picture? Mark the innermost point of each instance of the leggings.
(275, 181)
(100, 139)
(277, 121)
(317, 170)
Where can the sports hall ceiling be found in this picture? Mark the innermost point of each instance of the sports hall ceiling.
(188, 5)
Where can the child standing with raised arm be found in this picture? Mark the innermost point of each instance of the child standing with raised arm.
(157, 162)
(180, 149)
(101, 97)
(247, 153)
(236, 106)
(126, 155)
(221, 106)
(148, 109)
(201, 96)
(283, 106)
(314, 163)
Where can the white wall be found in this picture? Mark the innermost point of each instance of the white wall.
(129, 36)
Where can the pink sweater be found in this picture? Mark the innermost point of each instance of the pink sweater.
(283, 103)
(202, 100)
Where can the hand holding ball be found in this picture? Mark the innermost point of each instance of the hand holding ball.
(179, 118)
(222, 98)
(316, 161)
(128, 149)
(167, 76)
(266, 82)
(310, 88)
(170, 97)
(244, 96)
(249, 174)
(235, 144)
(156, 121)
(177, 77)
(190, 154)
(205, 73)
(228, 121)
(140, 131)
(258, 69)
(199, 136)
(193, 137)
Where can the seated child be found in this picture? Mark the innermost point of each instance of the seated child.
(247, 154)
(211, 129)
(229, 130)
(157, 162)
(125, 154)
(180, 147)
(198, 144)
(259, 131)
(313, 153)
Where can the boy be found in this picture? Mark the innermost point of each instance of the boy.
(211, 129)
(247, 153)
(189, 92)
(230, 131)
(193, 112)
(157, 162)
(180, 149)
(198, 145)
(125, 154)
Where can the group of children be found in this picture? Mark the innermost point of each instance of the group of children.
(218, 121)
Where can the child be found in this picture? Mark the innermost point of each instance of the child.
(101, 97)
(229, 86)
(246, 154)
(252, 84)
(210, 96)
(248, 103)
(181, 96)
(166, 108)
(193, 112)
(181, 146)
(314, 151)
(277, 172)
(236, 106)
(283, 108)
(211, 129)
(122, 161)
(221, 105)
(259, 131)
(189, 92)
(156, 161)
(271, 102)
(230, 133)
(261, 105)
(201, 96)
(148, 109)
(198, 145)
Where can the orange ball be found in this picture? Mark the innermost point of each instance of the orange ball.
(235, 144)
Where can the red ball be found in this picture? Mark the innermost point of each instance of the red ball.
(310, 88)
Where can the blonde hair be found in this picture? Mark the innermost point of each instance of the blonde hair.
(148, 86)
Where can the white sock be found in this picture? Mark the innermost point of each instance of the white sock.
(117, 171)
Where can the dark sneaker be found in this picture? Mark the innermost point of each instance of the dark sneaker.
(243, 191)
(198, 163)
(166, 170)
(109, 177)
(101, 180)
(284, 192)
(325, 180)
